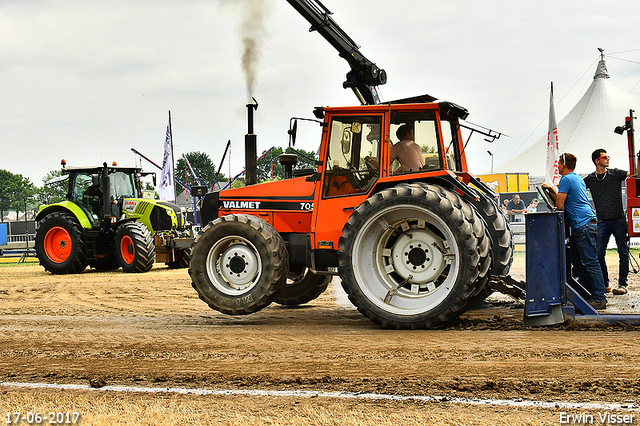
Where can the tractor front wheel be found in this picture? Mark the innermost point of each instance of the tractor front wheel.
(239, 264)
(60, 244)
(134, 247)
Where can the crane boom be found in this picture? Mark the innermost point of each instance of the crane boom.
(364, 77)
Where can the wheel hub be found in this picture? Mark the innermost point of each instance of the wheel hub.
(239, 266)
(236, 264)
(416, 256)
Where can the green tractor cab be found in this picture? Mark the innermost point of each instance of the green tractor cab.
(105, 223)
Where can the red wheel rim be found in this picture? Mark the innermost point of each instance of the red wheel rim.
(57, 244)
(127, 249)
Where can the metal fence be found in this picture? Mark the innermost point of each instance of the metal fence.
(17, 236)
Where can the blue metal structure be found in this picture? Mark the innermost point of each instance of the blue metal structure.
(553, 296)
(3, 234)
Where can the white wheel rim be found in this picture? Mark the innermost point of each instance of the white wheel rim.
(406, 260)
(233, 265)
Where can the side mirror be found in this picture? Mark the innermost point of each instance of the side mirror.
(153, 176)
(293, 131)
(346, 141)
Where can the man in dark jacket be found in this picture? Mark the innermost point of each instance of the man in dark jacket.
(571, 197)
(606, 191)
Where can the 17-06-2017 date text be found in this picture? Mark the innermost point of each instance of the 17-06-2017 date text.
(35, 418)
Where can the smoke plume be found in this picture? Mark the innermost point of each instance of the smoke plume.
(253, 31)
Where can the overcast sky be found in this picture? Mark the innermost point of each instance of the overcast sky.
(88, 80)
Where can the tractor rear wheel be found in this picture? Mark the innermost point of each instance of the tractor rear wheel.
(60, 244)
(500, 233)
(303, 288)
(501, 241)
(134, 247)
(183, 257)
(409, 256)
(239, 264)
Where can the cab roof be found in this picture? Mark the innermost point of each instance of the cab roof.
(98, 169)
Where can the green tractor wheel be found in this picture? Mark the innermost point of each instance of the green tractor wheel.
(60, 245)
(134, 247)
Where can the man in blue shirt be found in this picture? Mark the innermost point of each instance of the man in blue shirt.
(572, 198)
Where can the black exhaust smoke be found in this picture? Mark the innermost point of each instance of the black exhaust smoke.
(250, 148)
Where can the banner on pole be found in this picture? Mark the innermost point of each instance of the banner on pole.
(167, 186)
(551, 175)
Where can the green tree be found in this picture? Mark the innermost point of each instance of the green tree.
(269, 162)
(15, 191)
(51, 193)
(202, 166)
(6, 180)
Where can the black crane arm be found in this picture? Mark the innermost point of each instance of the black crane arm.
(365, 76)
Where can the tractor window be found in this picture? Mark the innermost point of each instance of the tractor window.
(88, 195)
(353, 155)
(122, 185)
(424, 134)
(450, 136)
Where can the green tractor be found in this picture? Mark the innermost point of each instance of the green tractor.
(105, 223)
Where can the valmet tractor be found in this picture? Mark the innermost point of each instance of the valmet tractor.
(105, 223)
(413, 248)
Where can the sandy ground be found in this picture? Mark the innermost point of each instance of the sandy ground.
(151, 331)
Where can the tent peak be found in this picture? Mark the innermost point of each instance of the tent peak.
(601, 70)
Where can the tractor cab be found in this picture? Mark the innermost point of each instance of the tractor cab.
(88, 185)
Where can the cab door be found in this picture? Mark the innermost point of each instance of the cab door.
(351, 157)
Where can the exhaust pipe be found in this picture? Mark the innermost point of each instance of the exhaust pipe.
(250, 148)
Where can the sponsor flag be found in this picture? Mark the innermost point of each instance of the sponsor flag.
(167, 185)
(551, 175)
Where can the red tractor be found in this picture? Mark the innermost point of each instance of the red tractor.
(414, 247)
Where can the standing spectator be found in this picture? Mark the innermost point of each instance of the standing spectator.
(572, 198)
(606, 190)
(517, 206)
(533, 206)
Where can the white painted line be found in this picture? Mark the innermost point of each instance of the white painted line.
(518, 402)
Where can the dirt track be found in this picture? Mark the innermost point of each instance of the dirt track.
(152, 330)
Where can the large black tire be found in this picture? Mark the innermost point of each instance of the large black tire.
(239, 264)
(134, 247)
(60, 244)
(501, 238)
(409, 256)
(500, 232)
(303, 288)
(183, 257)
(484, 242)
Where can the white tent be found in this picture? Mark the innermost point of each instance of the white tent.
(587, 127)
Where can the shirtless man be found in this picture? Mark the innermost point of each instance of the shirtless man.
(407, 151)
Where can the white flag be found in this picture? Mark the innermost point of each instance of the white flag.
(167, 189)
(551, 175)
